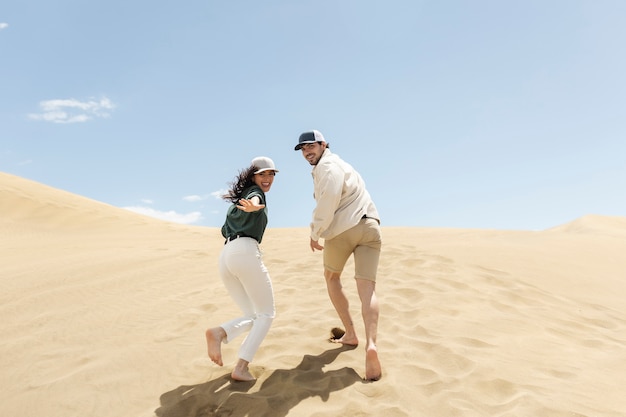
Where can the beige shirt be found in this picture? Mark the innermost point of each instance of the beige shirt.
(341, 197)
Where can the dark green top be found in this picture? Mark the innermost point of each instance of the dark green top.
(246, 224)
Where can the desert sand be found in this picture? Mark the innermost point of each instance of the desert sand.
(103, 314)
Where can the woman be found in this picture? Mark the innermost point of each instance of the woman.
(242, 268)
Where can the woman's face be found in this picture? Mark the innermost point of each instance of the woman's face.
(264, 180)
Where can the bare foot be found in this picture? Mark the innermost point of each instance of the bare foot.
(373, 370)
(241, 372)
(243, 376)
(214, 339)
(338, 335)
(347, 341)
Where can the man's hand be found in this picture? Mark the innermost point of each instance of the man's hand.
(315, 245)
(250, 205)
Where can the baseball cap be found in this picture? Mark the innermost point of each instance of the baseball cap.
(263, 163)
(309, 137)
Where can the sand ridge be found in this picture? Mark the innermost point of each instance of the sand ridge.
(104, 311)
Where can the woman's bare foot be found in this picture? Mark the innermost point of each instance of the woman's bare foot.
(214, 337)
(373, 370)
(241, 372)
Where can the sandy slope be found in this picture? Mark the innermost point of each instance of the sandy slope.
(103, 313)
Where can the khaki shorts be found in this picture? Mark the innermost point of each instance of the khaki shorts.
(364, 240)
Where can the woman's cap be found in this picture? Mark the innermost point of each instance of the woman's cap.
(263, 163)
(309, 137)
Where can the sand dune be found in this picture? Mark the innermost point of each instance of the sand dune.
(103, 313)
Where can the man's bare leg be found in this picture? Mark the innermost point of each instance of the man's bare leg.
(342, 306)
(241, 372)
(370, 311)
(214, 338)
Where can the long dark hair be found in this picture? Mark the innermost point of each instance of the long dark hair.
(242, 181)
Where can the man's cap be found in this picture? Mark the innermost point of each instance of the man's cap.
(309, 137)
(263, 163)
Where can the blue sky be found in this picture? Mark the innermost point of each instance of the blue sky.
(471, 114)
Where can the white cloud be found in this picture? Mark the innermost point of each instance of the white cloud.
(72, 111)
(218, 194)
(194, 198)
(3, 25)
(215, 194)
(170, 216)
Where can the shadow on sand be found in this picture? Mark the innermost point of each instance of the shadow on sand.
(279, 393)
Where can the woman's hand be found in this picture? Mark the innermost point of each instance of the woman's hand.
(250, 206)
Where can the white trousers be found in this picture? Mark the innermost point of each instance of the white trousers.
(248, 282)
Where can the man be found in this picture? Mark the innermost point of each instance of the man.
(346, 218)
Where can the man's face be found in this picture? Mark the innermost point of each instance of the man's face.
(312, 152)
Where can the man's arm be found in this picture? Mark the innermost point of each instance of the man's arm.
(328, 188)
